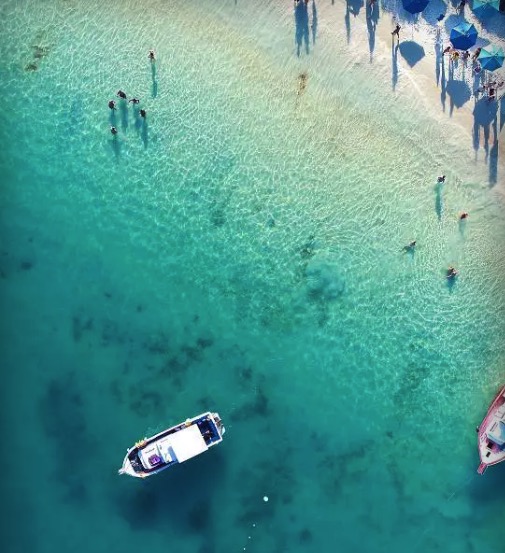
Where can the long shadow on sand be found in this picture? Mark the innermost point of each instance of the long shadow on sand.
(301, 27)
(439, 56)
(352, 7)
(443, 84)
(372, 18)
(484, 113)
(394, 64)
(485, 120)
(313, 25)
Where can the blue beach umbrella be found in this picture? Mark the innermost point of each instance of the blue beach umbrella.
(415, 6)
(491, 58)
(481, 7)
(463, 36)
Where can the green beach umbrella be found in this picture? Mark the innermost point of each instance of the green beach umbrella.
(491, 58)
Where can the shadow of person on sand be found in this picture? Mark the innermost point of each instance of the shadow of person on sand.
(493, 156)
(372, 18)
(502, 111)
(477, 82)
(443, 84)
(394, 64)
(301, 27)
(439, 56)
(314, 22)
(352, 7)
(347, 21)
(485, 112)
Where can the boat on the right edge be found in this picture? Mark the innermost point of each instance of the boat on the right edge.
(492, 434)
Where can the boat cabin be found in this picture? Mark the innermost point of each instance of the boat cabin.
(177, 447)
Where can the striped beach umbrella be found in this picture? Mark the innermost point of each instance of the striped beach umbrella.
(482, 7)
(491, 58)
(463, 36)
(415, 6)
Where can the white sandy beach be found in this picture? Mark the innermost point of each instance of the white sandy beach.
(424, 81)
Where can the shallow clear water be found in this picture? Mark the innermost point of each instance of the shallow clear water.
(240, 251)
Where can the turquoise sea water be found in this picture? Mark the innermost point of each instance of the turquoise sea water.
(240, 251)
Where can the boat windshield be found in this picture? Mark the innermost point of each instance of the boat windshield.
(497, 433)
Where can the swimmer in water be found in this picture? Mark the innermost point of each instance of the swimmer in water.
(451, 273)
(410, 247)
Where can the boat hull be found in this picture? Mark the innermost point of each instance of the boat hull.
(491, 451)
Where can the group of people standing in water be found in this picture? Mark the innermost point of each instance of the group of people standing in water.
(135, 101)
(451, 273)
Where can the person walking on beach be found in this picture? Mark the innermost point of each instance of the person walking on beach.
(396, 32)
(112, 104)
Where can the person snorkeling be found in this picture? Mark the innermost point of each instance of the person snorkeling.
(451, 273)
(410, 246)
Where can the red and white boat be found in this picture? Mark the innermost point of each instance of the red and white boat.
(492, 434)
